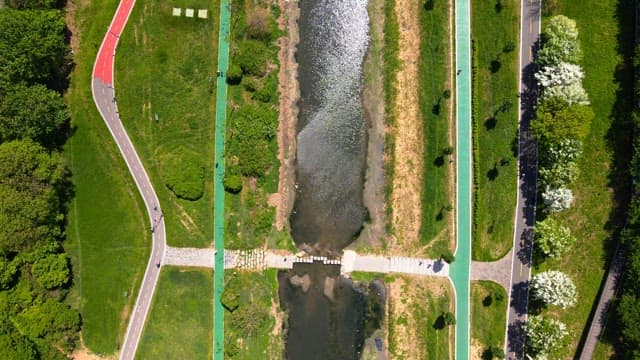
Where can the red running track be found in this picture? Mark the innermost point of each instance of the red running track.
(103, 68)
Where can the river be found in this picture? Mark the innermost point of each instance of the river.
(329, 315)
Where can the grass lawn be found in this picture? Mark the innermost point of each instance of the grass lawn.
(495, 116)
(415, 304)
(488, 316)
(601, 190)
(166, 66)
(107, 232)
(180, 323)
(251, 330)
(434, 70)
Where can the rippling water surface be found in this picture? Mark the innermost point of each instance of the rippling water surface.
(334, 38)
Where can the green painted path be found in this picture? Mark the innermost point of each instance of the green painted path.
(218, 204)
(459, 272)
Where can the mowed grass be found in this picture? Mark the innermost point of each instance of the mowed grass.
(108, 238)
(488, 315)
(601, 190)
(180, 323)
(434, 71)
(495, 112)
(166, 66)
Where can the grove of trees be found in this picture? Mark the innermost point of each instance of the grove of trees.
(35, 321)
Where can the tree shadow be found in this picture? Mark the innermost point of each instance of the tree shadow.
(495, 66)
(429, 5)
(493, 173)
(490, 123)
(439, 161)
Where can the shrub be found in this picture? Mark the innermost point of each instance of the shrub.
(572, 93)
(51, 271)
(554, 288)
(252, 57)
(252, 130)
(558, 175)
(448, 256)
(183, 173)
(552, 238)
(557, 120)
(560, 74)
(269, 91)
(234, 75)
(564, 151)
(233, 183)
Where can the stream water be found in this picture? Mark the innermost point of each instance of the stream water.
(329, 315)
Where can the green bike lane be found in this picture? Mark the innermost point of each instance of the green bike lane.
(218, 217)
(460, 268)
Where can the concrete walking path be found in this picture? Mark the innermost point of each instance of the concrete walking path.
(498, 271)
(258, 260)
(104, 96)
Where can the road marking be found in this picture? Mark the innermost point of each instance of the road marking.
(530, 25)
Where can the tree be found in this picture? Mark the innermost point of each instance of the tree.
(33, 48)
(234, 75)
(558, 175)
(555, 288)
(560, 74)
(51, 320)
(253, 129)
(552, 238)
(31, 185)
(571, 93)
(557, 200)
(233, 183)
(544, 336)
(33, 112)
(449, 318)
(559, 42)
(557, 120)
(51, 271)
(8, 271)
(564, 151)
(35, 4)
(629, 314)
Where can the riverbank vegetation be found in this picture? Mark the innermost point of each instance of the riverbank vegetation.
(253, 320)
(488, 319)
(600, 189)
(417, 308)
(180, 323)
(166, 104)
(36, 320)
(495, 29)
(251, 173)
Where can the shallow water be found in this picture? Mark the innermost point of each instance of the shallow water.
(331, 154)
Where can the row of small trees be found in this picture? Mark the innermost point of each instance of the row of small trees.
(35, 322)
(562, 120)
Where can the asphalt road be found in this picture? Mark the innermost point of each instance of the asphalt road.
(104, 97)
(527, 162)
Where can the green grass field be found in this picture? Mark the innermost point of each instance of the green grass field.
(434, 70)
(601, 190)
(488, 315)
(165, 66)
(107, 231)
(495, 112)
(249, 329)
(180, 323)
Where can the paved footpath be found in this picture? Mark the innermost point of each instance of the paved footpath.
(498, 271)
(105, 98)
(527, 172)
(258, 260)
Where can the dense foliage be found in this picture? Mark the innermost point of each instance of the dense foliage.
(544, 336)
(552, 238)
(183, 173)
(35, 322)
(554, 288)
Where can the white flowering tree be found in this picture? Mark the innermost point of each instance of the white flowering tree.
(559, 42)
(571, 93)
(565, 151)
(554, 288)
(561, 74)
(544, 336)
(552, 238)
(557, 200)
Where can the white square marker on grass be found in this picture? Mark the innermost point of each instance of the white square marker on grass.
(202, 13)
(177, 11)
(188, 12)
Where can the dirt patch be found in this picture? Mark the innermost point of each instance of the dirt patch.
(476, 350)
(408, 152)
(69, 18)
(83, 353)
(289, 93)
